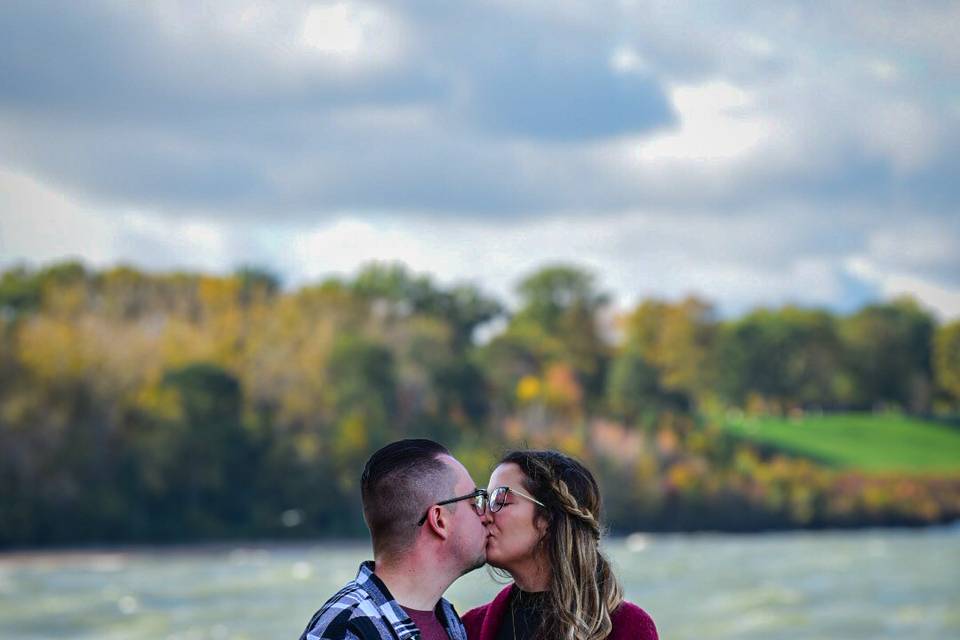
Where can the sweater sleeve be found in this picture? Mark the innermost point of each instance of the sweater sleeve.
(630, 622)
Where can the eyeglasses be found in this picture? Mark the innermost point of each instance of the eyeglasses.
(498, 498)
(479, 503)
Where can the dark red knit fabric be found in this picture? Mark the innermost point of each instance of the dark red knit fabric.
(630, 622)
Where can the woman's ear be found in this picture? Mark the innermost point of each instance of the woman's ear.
(541, 524)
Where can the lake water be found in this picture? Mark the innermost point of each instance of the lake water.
(831, 586)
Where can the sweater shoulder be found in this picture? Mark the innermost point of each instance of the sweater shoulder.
(473, 619)
(483, 622)
(630, 621)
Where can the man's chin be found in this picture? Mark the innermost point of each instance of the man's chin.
(477, 563)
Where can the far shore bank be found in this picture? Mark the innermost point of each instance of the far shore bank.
(106, 557)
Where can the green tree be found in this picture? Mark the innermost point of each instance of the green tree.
(256, 283)
(20, 290)
(398, 293)
(677, 341)
(946, 360)
(557, 297)
(361, 381)
(634, 393)
(889, 350)
(559, 307)
(204, 453)
(789, 356)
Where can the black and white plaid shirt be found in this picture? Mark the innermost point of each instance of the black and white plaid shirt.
(365, 610)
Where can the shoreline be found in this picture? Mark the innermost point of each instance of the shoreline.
(105, 556)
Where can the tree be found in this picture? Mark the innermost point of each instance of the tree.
(361, 381)
(556, 296)
(19, 291)
(633, 389)
(518, 353)
(889, 351)
(399, 293)
(561, 304)
(946, 360)
(676, 341)
(207, 450)
(789, 356)
(256, 283)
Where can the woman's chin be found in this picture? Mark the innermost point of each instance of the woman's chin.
(493, 558)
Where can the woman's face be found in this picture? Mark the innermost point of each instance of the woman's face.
(514, 530)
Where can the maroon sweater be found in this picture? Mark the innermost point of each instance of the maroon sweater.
(630, 622)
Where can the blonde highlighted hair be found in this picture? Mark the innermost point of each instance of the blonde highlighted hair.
(584, 592)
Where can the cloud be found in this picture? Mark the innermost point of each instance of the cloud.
(42, 224)
(715, 124)
(929, 251)
(635, 256)
(761, 258)
(751, 152)
(944, 301)
(175, 110)
(352, 32)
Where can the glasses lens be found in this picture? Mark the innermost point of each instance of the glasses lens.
(498, 498)
(480, 503)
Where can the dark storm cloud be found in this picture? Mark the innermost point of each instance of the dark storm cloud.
(105, 100)
(487, 110)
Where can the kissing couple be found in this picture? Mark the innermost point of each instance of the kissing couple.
(538, 520)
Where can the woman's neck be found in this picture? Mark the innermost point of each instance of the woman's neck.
(532, 576)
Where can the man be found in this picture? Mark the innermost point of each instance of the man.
(426, 520)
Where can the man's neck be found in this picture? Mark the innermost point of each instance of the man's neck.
(414, 583)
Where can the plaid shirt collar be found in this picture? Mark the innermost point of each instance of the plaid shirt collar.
(394, 613)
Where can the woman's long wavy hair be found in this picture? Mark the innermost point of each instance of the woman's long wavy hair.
(584, 592)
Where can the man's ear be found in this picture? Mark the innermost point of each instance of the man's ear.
(438, 519)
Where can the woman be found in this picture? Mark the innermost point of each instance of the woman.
(544, 530)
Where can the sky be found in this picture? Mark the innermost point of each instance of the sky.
(755, 154)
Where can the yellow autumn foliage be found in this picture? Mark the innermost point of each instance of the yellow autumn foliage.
(528, 389)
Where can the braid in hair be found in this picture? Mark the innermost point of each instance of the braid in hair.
(569, 504)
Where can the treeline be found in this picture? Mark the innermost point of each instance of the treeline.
(138, 406)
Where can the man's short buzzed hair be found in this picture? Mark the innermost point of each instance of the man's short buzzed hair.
(399, 483)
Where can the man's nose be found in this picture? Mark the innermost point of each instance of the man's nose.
(487, 517)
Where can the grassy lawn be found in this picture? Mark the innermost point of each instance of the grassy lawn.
(886, 442)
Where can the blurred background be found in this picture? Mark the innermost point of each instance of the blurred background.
(713, 250)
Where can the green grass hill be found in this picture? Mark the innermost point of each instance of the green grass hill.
(869, 442)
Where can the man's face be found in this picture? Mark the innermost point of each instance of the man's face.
(469, 529)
